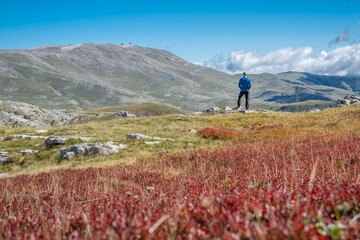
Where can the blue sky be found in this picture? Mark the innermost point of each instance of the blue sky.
(194, 30)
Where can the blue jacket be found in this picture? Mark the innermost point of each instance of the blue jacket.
(244, 84)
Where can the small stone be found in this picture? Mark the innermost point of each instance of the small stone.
(152, 143)
(228, 112)
(227, 108)
(211, 109)
(3, 175)
(41, 131)
(28, 151)
(192, 130)
(137, 136)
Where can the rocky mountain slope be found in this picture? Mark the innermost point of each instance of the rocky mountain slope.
(99, 75)
(17, 114)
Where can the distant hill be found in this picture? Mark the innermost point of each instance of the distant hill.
(87, 76)
(280, 88)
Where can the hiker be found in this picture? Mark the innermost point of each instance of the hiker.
(244, 85)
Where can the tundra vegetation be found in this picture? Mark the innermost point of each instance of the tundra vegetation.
(240, 176)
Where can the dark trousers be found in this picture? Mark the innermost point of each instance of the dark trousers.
(246, 93)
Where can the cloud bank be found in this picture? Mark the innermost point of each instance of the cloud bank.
(343, 60)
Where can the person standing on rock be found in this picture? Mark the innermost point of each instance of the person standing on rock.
(244, 85)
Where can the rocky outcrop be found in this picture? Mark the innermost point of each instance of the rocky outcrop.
(19, 114)
(85, 149)
(348, 100)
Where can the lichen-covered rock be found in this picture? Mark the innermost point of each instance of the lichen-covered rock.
(85, 149)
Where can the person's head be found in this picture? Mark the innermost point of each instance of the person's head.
(244, 73)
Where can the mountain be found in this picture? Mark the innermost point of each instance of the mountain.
(97, 75)
(89, 76)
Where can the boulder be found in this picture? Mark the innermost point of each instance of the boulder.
(87, 149)
(54, 141)
(125, 114)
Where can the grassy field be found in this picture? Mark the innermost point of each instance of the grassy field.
(255, 176)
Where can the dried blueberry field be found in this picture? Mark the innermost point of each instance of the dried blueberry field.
(240, 176)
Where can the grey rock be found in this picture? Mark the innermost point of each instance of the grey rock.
(228, 112)
(54, 141)
(192, 130)
(211, 109)
(263, 110)
(41, 131)
(86, 149)
(3, 175)
(34, 137)
(26, 137)
(112, 146)
(152, 143)
(28, 151)
(227, 108)
(5, 158)
(137, 136)
(348, 100)
(245, 111)
(103, 151)
(125, 114)
(105, 114)
(163, 139)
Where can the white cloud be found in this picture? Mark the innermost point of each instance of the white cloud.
(340, 61)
